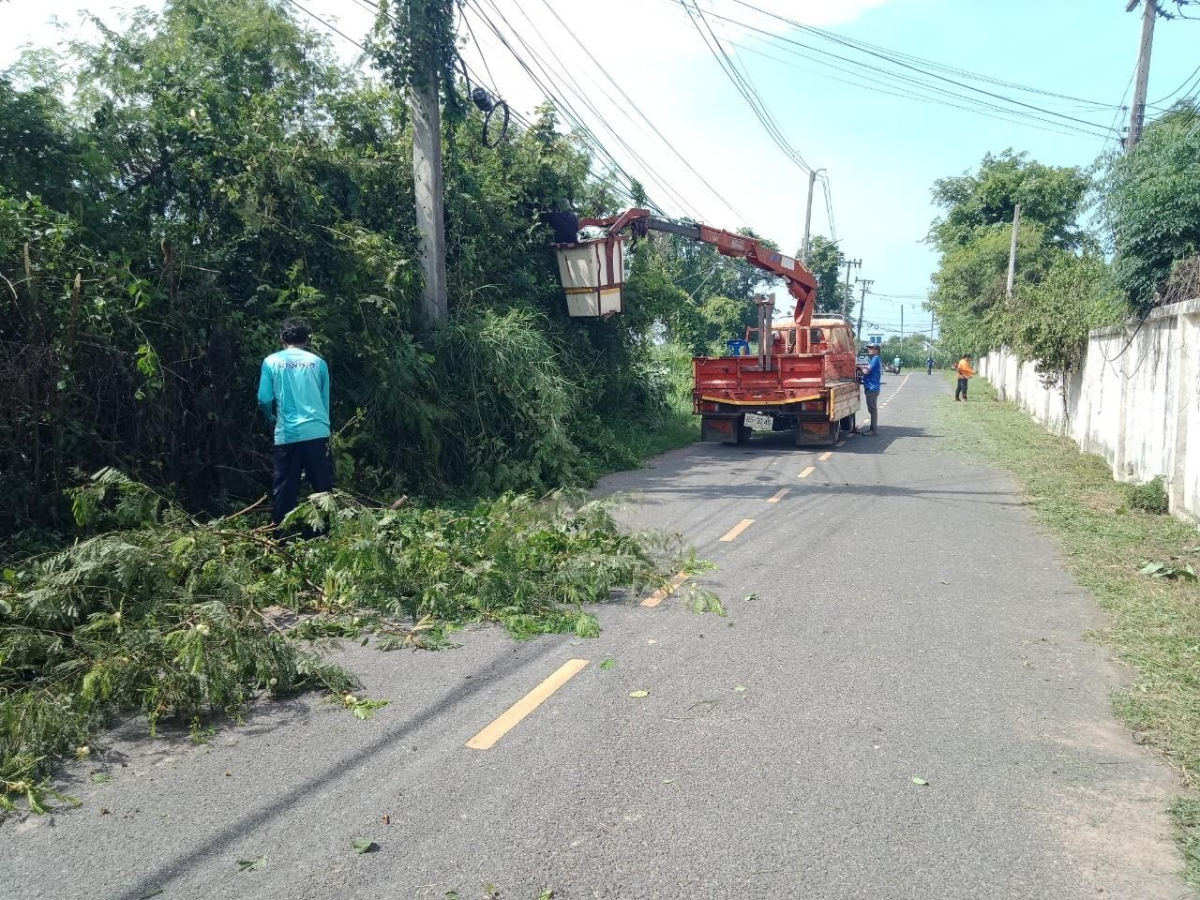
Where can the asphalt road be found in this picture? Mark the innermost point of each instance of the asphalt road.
(895, 615)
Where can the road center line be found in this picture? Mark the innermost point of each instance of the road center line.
(824, 456)
(779, 495)
(807, 472)
(738, 529)
(664, 592)
(512, 716)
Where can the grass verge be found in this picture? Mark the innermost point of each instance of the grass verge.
(1153, 622)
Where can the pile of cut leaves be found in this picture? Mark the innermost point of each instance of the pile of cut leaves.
(151, 611)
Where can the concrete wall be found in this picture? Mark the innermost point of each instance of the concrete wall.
(1136, 402)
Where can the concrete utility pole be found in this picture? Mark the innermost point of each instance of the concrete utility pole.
(428, 189)
(1137, 112)
(902, 324)
(862, 304)
(1012, 253)
(846, 296)
(806, 247)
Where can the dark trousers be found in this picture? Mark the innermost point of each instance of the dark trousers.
(929, 368)
(872, 407)
(311, 458)
(961, 389)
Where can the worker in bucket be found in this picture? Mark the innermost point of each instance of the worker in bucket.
(872, 376)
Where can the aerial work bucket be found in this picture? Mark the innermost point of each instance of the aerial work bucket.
(593, 273)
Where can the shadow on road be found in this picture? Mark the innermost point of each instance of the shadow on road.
(343, 769)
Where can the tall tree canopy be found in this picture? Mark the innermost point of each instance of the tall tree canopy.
(974, 234)
(1150, 203)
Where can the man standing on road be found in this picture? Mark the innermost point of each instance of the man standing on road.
(293, 394)
(929, 364)
(965, 374)
(872, 378)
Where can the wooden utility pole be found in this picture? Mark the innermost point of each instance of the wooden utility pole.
(862, 304)
(427, 185)
(1137, 112)
(901, 324)
(806, 247)
(1012, 253)
(846, 295)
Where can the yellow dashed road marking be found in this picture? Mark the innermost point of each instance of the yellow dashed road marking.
(664, 592)
(513, 716)
(779, 495)
(737, 529)
(824, 456)
(807, 472)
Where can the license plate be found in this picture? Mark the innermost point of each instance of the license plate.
(760, 423)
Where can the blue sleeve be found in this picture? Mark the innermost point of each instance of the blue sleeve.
(266, 393)
(876, 367)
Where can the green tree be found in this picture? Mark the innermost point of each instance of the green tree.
(973, 235)
(216, 171)
(1051, 196)
(824, 261)
(1150, 202)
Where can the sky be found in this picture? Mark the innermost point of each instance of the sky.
(701, 151)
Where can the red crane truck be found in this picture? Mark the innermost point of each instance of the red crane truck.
(803, 375)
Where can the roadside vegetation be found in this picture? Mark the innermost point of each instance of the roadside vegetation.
(169, 194)
(1140, 564)
(1096, 246)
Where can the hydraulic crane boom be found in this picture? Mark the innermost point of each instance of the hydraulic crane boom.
(800, 282)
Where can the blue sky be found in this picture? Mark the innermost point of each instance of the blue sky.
(882, 153)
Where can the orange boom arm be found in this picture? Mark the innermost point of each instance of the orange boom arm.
(800, 282)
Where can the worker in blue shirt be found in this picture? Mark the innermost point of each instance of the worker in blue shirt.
(872, 378)
(293, 394)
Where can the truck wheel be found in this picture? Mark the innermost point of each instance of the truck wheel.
(742, 435)
(848, 423)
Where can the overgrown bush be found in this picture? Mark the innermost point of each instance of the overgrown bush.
(215, 170)
(1150, 200)
(1150, 497)
(154, 612)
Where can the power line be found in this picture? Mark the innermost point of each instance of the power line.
(1064, 121)
(564, 105)
(629, 100)
(829, 207)
(900, 60)
(328, 25)
(701, 24)
(583, 95)
(1002, 115)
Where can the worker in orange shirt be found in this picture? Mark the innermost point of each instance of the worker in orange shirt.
(965, 374)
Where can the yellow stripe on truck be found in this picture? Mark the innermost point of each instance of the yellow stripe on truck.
(761, 402)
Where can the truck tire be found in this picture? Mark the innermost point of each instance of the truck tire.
(741, 435)
(848, 423)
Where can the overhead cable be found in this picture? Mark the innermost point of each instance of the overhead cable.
(633, 105)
